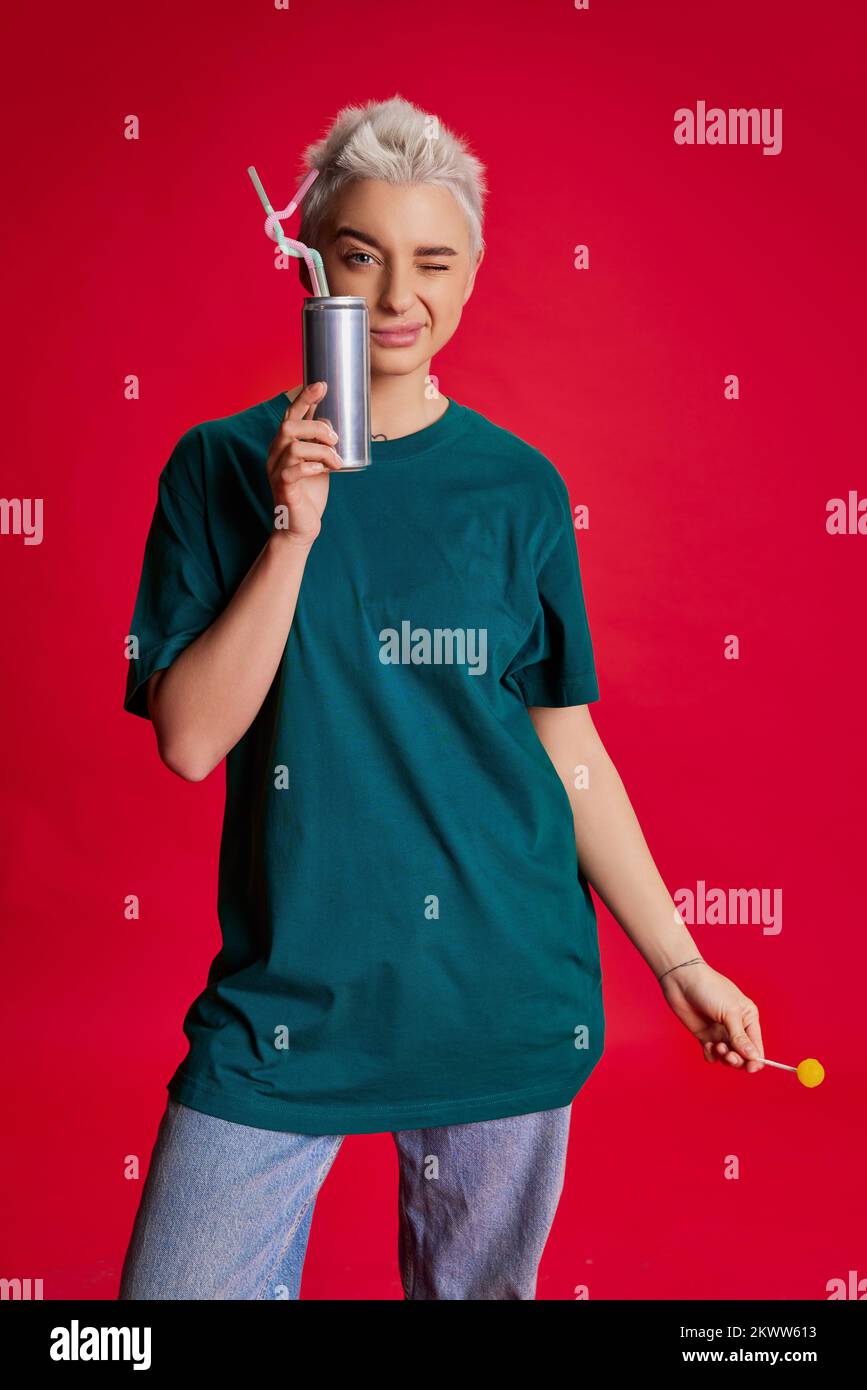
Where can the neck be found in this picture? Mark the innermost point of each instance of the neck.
(399, 405)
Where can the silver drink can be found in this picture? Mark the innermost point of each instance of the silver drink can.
(336, 343)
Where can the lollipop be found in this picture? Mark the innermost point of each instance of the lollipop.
(809, 1072)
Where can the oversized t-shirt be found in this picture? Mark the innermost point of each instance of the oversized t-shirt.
(408, 938)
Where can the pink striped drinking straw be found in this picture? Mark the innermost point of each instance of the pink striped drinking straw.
(274, 230)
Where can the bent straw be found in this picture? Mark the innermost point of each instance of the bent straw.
(312, 258)
(288, 245)
(275, 218)
(292, 205)
(275, 232)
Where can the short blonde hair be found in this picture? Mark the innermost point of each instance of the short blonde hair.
(396, 142)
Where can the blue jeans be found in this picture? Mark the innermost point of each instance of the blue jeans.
(226, 1209)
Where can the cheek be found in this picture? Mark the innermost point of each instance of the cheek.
(446, 303)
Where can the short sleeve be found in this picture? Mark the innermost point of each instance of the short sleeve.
(180, 592)
(555, 666)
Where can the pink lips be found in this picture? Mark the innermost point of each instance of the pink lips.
(403, 336)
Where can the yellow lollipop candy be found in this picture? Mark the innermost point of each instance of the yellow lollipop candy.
(810, 1072)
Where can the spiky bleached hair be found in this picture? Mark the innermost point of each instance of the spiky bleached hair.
(396, 142)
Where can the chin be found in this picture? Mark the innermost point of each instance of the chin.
(384, 364)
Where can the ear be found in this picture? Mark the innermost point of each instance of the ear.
(472, 280)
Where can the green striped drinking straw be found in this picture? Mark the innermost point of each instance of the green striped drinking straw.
(288, 245)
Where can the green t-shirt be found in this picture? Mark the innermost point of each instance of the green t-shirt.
(408, 939)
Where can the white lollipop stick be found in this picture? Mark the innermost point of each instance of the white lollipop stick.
(768, 1063)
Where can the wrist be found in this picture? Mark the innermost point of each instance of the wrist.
(682, 969)
(670, 942)
(284, 543)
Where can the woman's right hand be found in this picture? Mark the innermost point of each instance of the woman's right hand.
(300, 461)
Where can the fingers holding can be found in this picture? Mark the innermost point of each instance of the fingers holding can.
(306, 401)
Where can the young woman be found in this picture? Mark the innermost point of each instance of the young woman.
(397, 666)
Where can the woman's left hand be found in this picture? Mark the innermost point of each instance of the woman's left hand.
(717, 1013)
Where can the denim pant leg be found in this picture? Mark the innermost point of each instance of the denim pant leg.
(476, 1204)
(226, 1210)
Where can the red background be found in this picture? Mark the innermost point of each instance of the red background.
(707, 517)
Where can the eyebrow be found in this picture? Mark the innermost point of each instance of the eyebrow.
(372, 241)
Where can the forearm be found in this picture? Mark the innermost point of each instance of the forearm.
(610, 844)
(209, 696)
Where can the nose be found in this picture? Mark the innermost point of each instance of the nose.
(396, 295)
